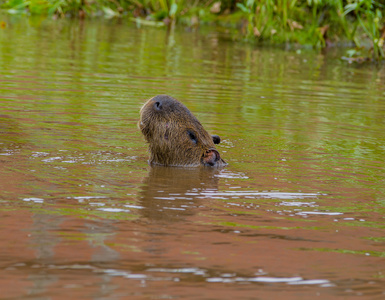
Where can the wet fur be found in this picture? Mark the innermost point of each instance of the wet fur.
(175, 136)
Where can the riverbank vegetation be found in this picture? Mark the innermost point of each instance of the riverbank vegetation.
(318, 23)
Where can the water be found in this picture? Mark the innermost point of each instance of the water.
(298, 212)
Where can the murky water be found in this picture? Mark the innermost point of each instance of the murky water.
(298, 213)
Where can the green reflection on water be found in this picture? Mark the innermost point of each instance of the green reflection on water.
(376, 239)
(345, 251)
(240, 225)
(379, 225)
(83, 213)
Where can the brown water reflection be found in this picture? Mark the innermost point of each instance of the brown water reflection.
(169, 194)
(298, 213)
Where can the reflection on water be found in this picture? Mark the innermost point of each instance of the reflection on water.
(298, 213)
(169, 194)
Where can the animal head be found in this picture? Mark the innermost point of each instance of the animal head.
(175, 136)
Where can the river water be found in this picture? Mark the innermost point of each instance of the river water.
(299, 212)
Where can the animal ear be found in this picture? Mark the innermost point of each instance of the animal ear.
(211, 157)
(216, 139)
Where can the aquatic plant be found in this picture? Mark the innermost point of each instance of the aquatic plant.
(315, 22)
(318, 23)
(369, 17)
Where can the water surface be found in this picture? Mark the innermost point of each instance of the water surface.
(298, 212)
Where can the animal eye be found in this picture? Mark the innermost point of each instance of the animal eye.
(192, 136)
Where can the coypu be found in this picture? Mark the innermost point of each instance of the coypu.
(175, 136)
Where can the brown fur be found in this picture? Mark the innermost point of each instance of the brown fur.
(175, 136)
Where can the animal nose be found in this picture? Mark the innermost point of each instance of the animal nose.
(158, 105)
